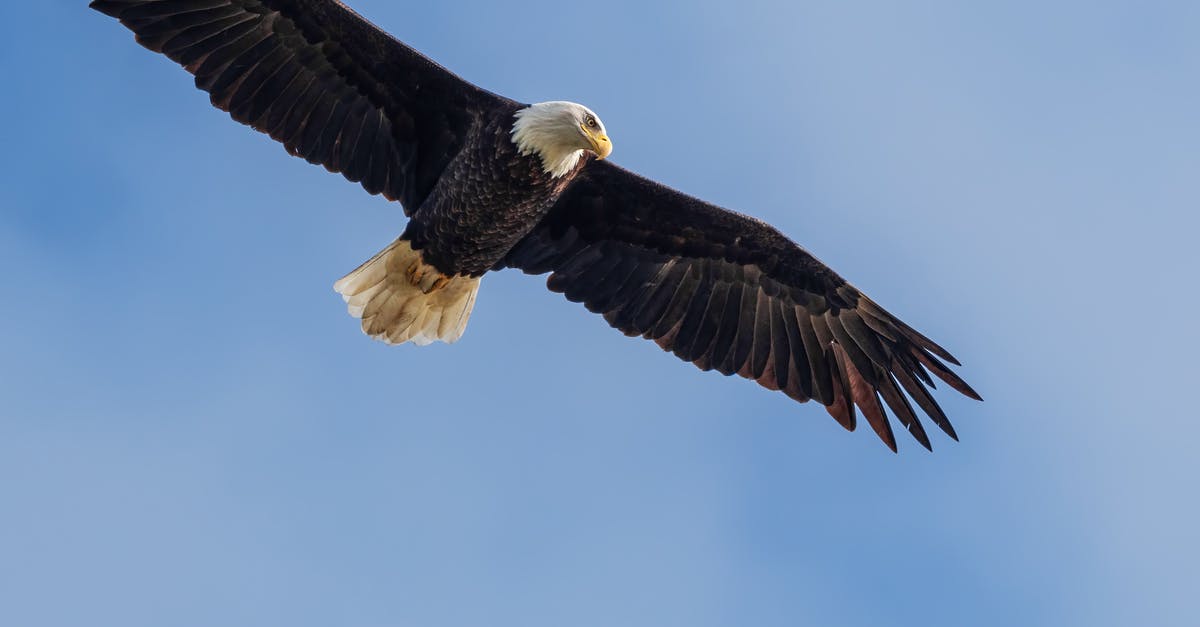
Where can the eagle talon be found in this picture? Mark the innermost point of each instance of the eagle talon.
(426, 277)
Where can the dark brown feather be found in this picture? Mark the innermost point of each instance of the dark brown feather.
(761, 350)
(800, 381)
(866, 397)
(814, 352)
(901, 408)
(721, 353)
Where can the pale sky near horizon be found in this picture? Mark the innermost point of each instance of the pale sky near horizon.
(194, 432)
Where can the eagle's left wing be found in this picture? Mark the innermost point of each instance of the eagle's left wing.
(730, 293)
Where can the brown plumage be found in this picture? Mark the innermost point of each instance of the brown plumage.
(716, 288)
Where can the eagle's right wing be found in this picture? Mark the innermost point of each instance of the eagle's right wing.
(332, 87)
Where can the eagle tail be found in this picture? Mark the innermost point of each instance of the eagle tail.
(400, 298)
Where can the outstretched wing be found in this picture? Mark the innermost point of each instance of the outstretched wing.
(314, 75)
(730, 293)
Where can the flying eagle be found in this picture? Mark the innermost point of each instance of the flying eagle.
(490, 183)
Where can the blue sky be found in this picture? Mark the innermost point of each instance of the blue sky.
(193, 431)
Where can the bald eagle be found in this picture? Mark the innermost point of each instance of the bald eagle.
(489, 183)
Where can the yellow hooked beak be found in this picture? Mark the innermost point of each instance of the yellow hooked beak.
(601, 145)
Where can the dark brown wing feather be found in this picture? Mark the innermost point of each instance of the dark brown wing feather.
(316, 76)
(730, 293)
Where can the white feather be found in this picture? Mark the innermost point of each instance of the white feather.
(395, 310)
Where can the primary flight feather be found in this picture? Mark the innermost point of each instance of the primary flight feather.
(490, 183)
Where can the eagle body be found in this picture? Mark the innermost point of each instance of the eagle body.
(488, 198)
(489, 183)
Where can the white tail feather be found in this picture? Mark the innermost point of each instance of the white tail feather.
(401, 299)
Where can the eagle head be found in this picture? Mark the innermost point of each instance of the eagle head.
(559, 132)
